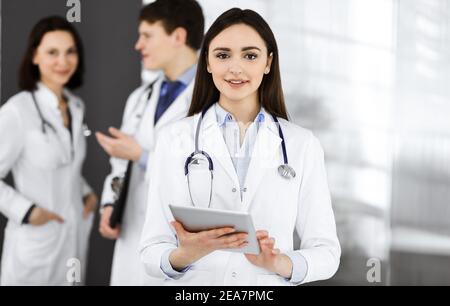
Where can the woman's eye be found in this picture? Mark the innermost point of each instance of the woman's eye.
(222, 56)
(53, 52)
(72, 51)
(251, 56)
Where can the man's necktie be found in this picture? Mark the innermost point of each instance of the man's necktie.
(169, 92)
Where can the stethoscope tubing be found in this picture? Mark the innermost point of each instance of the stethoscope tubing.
(211, 166)
(284, 170)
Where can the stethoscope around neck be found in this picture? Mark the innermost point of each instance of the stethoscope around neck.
(45, 124)
(198, 157)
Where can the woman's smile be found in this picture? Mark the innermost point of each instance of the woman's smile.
(235, 83)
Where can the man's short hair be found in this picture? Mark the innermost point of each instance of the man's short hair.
(173, 14)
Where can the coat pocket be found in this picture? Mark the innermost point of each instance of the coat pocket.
(36, 247)
(44, 150)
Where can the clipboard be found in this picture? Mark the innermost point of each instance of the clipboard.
(119, 205)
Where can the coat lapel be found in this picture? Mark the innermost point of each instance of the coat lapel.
(143, 127)
(266, 155)
(211, 141)
(48, 103)
(266, 152)
(152, 103)
(77, 113)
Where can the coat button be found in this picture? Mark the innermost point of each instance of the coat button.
(245, 189)
(234, 274)
(234, 189)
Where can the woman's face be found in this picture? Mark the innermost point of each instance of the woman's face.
(57, 58)
(238, 60)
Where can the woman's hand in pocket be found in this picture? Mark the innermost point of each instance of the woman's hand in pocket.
(40, 216)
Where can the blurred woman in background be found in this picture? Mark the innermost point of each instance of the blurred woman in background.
(43, 143)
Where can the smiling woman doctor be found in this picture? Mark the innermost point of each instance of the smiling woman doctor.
(43, 143)
(238, 151)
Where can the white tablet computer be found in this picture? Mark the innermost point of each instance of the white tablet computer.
(200, 219)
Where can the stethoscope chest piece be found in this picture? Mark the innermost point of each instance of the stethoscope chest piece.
(286, 172)
(200, 160)
(86, 131)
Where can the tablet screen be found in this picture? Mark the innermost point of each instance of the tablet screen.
(201, 219)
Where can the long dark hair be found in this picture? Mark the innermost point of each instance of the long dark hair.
(29, 73)
(270, 92)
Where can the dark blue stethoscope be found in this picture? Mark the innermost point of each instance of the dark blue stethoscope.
(197, 157)
(45, 124)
